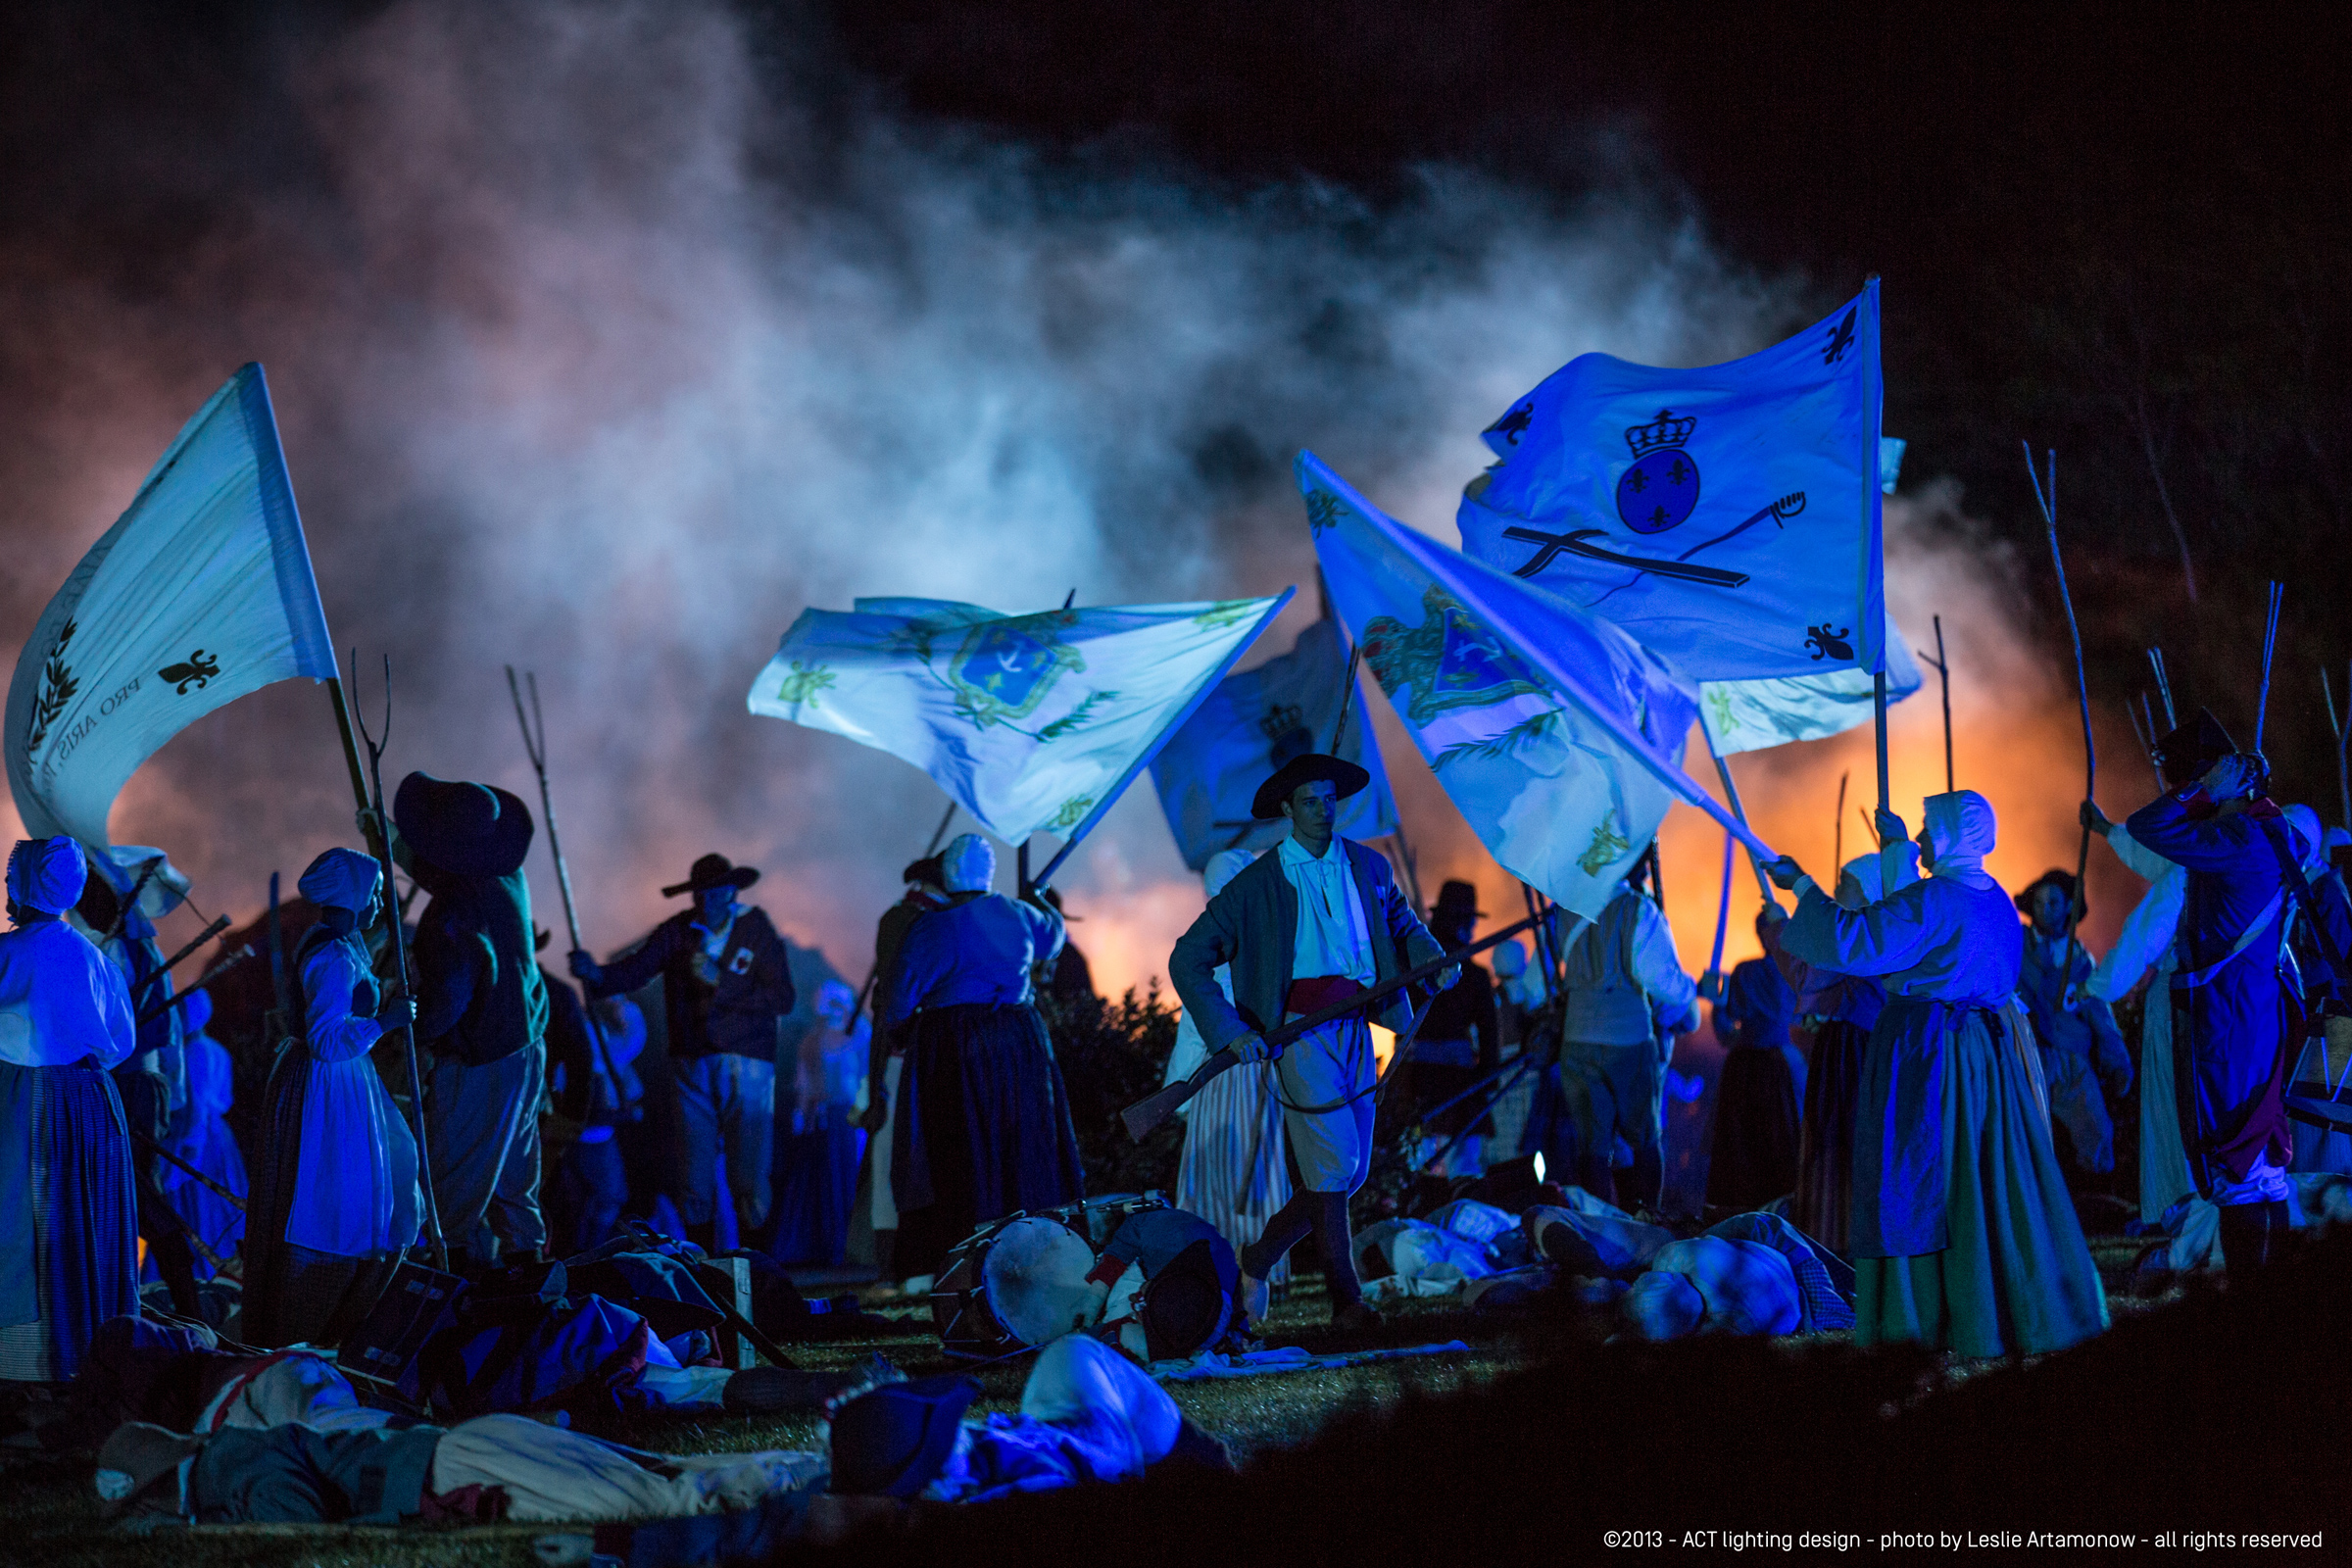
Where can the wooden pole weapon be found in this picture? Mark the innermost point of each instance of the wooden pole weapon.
(2090, 757)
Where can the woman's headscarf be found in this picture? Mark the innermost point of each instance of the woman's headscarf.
(1961, 830)
(1861, 882)
(1223, 867)
(342, 879)
(47, 875)
(969, 865)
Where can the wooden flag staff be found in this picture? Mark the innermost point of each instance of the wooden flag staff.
(399, 954)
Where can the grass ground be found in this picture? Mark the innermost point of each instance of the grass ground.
(49, 1515)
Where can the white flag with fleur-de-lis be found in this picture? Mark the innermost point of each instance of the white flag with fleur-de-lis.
(198, 594)
(1034, 723)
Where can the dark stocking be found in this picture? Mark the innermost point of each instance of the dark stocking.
(1326, 1215)
(2251, 1237)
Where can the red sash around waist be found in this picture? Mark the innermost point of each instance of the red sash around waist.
(1314, 993)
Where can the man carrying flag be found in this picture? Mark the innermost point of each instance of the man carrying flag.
(1311, 924)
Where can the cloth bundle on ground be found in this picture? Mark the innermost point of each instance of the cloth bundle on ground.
(1086, 1414)
(1752, 1273)
(1466, 1239)
(492, 1468)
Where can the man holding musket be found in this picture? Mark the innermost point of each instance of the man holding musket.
(1313, 924)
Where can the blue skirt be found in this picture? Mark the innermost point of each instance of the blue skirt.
(983, 1128)
(68, 1227)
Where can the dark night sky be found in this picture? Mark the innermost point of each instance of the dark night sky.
(2084, 215)
(2117, 231)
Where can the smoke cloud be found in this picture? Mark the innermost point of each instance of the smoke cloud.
(600, 351)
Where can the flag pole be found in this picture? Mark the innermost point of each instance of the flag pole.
(2270, 643)
(1143, 759)
(399, 954)
(1731, 793)
(2337, 725)
(2048, 502)
(1723, 911)
(368, 826)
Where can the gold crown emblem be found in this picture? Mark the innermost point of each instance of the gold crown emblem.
(1664, 431)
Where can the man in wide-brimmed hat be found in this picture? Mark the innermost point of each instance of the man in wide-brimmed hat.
(2082, 1054)
(1310, 924)
(725, 986)
(481, 1010)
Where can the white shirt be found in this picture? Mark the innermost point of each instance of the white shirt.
(1334, 938)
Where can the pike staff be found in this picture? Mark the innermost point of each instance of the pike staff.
(535, 746)
(380, 840)
(2090, 757)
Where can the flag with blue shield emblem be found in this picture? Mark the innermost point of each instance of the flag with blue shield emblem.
(1251, 724)
(1563, 780)
(1728, 517)
(1035, 723)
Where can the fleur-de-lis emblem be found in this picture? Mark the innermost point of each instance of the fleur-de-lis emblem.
(1827, 644)
(1322, 511)
(198, 671)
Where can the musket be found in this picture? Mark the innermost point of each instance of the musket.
(210, 975)
(1149, 1114)
(218, 925)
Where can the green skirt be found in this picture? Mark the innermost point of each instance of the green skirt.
(2015, 1275)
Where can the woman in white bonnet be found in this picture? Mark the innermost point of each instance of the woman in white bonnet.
(983, 1118)
(1233, 1172)
(1964, 1238)
(68, 1257)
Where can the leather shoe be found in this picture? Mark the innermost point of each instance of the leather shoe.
(1357, 1317)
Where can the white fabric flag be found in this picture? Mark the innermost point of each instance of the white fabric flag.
(1251, 724)
(1034, 723)
(198, 594)
(1726, 516)
(1542, 773)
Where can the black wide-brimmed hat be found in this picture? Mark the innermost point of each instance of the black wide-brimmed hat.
(895, 1441)
(713, 871)
(2055, 877)
(2188, 752)
(1458, 900)
(1310, 768)
(468, 829)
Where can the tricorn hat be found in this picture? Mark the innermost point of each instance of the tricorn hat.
(2185, 754)
(139, 1468)
(1309, 769)
(464, 828)
(895, 1441)
(2054, 877)
(713, 871)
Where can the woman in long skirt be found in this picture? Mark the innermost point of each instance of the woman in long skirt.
(1232, 1173)
(1963, 1236)
(1752, 1156)
(337, 1202)
(1840, 1010)
(983, 1124)
(68, 1248)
